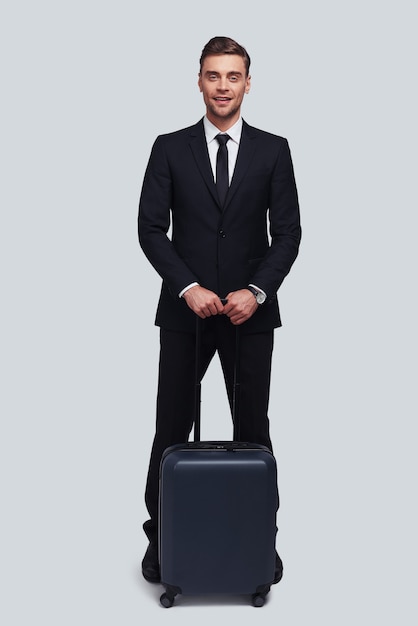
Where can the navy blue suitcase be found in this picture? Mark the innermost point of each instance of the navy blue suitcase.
(217, 517)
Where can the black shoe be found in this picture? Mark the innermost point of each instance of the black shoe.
(150, 565)
(278, 571)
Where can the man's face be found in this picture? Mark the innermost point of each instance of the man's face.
(223, 82)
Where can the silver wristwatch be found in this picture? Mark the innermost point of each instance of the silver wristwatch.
(258, 295)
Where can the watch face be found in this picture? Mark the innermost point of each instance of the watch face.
(260, 298)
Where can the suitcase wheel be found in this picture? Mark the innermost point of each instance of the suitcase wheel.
(258, 599)
(166, 601)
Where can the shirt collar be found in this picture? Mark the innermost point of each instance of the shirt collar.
(211, 131)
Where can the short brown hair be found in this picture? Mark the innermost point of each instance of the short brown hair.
(225, 45)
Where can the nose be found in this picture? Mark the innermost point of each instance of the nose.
(223, 83)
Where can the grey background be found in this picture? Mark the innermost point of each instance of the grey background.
(87, 86)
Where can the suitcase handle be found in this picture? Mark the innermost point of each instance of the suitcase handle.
(198, 384)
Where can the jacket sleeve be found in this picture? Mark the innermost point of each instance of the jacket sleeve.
(284, 225)
(154, 222)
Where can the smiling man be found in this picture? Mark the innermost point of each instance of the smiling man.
(229, 191)
(224, 80)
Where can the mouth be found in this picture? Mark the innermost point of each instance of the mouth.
(222, 99)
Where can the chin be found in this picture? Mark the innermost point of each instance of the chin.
(224, 113)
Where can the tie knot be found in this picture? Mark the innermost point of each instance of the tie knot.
(222, 139)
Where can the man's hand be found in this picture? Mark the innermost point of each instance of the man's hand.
(241, 306)
(203, 301)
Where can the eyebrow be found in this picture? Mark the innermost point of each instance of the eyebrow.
(232, 73)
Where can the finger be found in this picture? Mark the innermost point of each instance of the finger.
(229, 308)
(239, 318)
(213, 309)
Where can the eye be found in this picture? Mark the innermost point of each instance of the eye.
(233, 79)
(212, 76)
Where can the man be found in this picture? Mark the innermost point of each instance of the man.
(222, 214)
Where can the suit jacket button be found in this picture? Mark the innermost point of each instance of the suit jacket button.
(222, 233)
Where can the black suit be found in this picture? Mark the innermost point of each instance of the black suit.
(223, 249)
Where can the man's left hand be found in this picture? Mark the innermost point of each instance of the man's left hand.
(240, 306)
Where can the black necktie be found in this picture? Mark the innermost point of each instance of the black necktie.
(222, 175)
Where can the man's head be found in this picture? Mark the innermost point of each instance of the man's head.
(224, 79)
(225, 45)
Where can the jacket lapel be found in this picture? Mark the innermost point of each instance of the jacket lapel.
(200, 152)
(245, 156)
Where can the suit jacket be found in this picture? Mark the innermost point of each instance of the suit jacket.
(253, 238)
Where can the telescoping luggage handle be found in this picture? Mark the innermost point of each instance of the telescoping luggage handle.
(198, 385)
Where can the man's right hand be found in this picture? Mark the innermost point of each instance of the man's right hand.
(203, 301)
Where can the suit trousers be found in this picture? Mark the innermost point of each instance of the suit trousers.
(176, 391)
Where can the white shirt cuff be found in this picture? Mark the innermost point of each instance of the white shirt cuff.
(258, 289)
(183, 291)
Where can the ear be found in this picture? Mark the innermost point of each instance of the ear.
(248, 84)
(199, 83)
